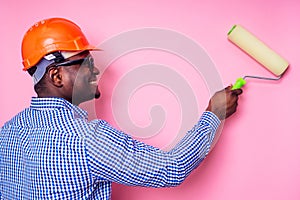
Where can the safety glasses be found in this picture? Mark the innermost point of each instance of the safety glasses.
(89, 61)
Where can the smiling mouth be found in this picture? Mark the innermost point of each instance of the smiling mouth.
(93, 82)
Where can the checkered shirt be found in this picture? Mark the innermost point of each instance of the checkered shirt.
(51, 151)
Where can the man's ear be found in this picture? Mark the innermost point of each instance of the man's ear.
(55, 75)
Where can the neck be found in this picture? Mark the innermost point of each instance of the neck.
(47, 92)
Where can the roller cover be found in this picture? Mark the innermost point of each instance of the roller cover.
(257, 50)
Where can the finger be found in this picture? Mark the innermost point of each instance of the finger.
(237, 91)
(228, 88)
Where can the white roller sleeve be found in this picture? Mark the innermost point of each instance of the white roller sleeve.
(257, 50)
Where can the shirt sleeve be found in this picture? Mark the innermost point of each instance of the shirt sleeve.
(0, 162)
(117, 157)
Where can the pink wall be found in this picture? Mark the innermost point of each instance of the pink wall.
(257, 156)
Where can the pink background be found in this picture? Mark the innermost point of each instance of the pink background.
(257, 156)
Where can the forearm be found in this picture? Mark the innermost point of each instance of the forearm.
(194, 147)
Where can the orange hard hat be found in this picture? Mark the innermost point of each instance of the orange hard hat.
(50, 35)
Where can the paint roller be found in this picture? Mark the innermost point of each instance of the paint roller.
(259, 52)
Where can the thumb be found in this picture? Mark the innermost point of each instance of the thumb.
(237, 91)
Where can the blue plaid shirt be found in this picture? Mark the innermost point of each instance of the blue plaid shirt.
(51, 151)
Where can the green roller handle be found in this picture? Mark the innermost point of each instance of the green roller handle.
(240, 82)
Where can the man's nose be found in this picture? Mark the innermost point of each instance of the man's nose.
(95, 70)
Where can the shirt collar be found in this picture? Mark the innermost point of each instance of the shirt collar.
(56, 103)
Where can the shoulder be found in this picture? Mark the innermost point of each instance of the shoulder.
(18, 119)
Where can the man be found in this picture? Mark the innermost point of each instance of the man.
(51, 151)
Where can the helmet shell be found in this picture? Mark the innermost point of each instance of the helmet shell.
(50, 35)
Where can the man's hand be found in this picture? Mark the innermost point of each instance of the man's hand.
(224, 103)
